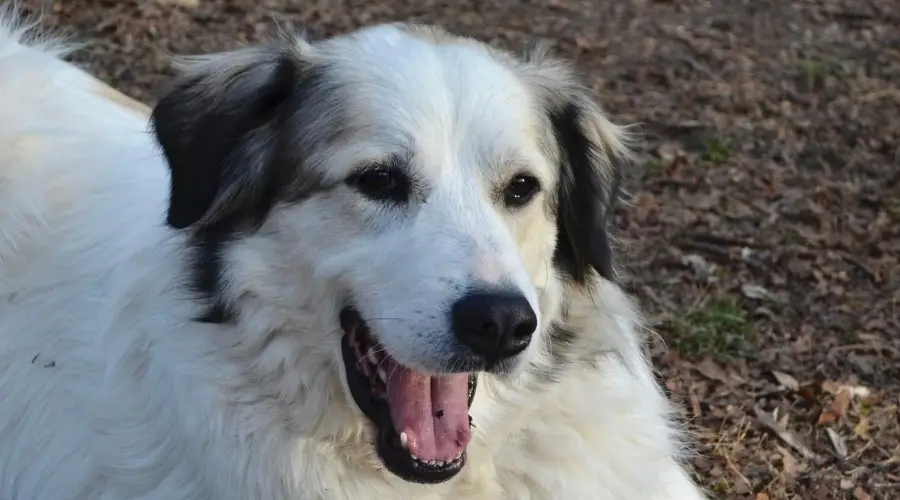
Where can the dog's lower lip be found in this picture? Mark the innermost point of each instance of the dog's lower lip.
(367, 384)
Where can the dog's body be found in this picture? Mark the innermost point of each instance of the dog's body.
(200, 359)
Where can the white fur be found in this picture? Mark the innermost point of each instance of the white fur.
(109, 389)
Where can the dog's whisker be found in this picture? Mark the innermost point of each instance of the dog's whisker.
(390, 376)
(383, 360)
(547, 267)
(369, 320)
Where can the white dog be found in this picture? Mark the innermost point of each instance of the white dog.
(369, 267)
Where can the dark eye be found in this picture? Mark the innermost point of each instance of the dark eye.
(520, 190)
(382, 183)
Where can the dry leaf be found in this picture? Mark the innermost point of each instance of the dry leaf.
(837, 442)
(756, 292)
(858, 391)
(836, 388)
(182, 3)
(789, 464)
(712, 371)
(837, 409)
(701, 267)
(862, 429)
(860, 494)
(583, 43)
(831, 387)
(669, 151)
(810, 393)
(788, 437)
(785, 419)
(823, 493)
(786, 380)
(762, 496)
(874, 399)
(695, 404)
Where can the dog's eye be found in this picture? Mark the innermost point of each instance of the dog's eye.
(382, 183)
(520, 190)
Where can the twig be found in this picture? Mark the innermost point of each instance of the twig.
(707, 248)
(862, 266)
(719, 239)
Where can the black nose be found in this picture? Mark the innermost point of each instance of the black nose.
(494, 325)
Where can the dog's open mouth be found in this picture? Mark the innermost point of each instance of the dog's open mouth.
(422, 420)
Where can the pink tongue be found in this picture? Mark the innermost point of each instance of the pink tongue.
(432, 411)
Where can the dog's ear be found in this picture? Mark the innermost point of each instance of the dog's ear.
(219, 128)
(591, 152)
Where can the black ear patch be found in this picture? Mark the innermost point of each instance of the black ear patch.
(219, 130)
(585, 199)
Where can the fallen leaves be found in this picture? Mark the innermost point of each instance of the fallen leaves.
(701, 267)
(181, 3)
(833, 387)
(811, 421)
(711, 370)
(814, 423)
(838, 443)
(786, 381)
(757, 292)
(860, 494)
(789, 465)
(836, 409)
(768, 421)
(714, 371)
(844, 397)
(842, 415)
(861, 429)
(696, 409)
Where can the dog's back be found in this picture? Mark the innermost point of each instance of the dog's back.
(65, 140)
(57, 124)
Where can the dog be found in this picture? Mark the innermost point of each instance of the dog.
(375, 265)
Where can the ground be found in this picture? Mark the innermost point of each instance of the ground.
(762, 230)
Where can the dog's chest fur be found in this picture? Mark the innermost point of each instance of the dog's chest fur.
(548, 443)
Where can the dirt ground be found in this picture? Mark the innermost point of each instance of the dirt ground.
(762, 235)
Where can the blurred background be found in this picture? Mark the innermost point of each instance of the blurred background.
(761, 232)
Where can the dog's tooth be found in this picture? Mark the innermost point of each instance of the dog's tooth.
(404, 440)
(373, 358)
(382, 374)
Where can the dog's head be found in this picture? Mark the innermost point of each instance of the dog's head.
(422, 199)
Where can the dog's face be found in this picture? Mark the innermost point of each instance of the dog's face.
(437, 195)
